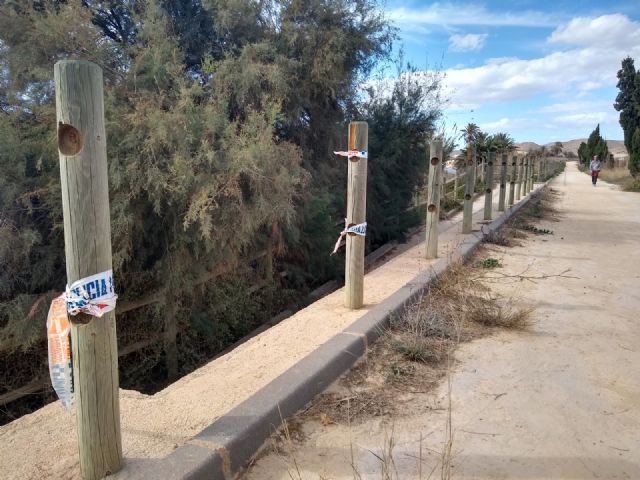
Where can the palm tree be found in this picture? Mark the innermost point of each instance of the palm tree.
(503, 142)
(470, 133)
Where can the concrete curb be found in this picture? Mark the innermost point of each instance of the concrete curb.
(222, 449)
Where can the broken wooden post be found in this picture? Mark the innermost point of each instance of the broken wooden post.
(469, 190)
(433, 202)
(512, 179)
(87, 236)
(519, 178)
(503, 183)
(356, 214)
(488, 184)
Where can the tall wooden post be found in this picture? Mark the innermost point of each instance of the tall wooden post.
(87, 236)
(433, 203)
(503, 183)
(525, 176)
(488, 184)
(512, 178)
(519, 179)
(469, 189)
(356, 214)
(530, 165)
(532, 170)
(455, 186)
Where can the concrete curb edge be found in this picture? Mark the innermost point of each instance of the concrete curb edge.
(224, 448)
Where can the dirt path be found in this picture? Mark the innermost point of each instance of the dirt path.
(561, 400)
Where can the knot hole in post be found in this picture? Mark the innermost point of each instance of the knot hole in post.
(435, 161)
(467, 197)
(490, 164)
(488, 190)
(69, 139)
(431, 208)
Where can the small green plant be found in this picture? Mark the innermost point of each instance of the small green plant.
(536, 230)
(488, 263)
(633, 186)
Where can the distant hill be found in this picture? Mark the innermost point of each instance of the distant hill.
(615, 146)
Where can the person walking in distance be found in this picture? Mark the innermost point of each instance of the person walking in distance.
(595, 167)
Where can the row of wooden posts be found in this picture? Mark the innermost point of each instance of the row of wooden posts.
(524, 169)
(85, 203)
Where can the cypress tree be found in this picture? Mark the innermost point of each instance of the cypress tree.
(627, 100)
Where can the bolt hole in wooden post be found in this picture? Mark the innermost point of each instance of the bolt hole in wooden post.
(467, 197)
(432, 208)
(70, 140)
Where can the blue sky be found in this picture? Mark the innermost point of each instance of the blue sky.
(541, 71)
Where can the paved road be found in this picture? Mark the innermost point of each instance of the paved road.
(560, 401)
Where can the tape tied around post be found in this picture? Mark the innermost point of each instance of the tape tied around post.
(353, 153)
(359, 229)
(94, 295)
(59, 351)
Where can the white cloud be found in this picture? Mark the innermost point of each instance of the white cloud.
(570, 72)
(467, 14)
(590, 119)
(614, 31)
(465, 43)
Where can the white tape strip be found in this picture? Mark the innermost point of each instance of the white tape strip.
(359, 229)
(94, 295)
(353, 153)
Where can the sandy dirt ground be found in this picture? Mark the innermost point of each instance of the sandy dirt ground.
(560, 400)
(43, 444)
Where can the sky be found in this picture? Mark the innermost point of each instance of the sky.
(541, 71)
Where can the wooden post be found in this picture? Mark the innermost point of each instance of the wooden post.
(519, 179)
(512, 178)
(433, 202)
(469, 190)
(356, 214)
(488, 184)
(503, 183)
(87, 236)
(532, 170)
(529, 175)
(525, 176)
(455, 187)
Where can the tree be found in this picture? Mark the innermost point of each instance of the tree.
(634, 158)
(502, 142)
(596, 145)
(583, 153)
(470, 133)
(556, 148)
(627, 101)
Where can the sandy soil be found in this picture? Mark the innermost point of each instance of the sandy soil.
(561, 400)
(43, 444)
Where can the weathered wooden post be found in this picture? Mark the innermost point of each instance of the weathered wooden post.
(455, 186)
(469, 189)
(512, 178)
(356, 214)
(531, 173)
(433, 203)
(503, 183)
(525, 176)
(488, 184)
(519, 179)
(87, 237)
